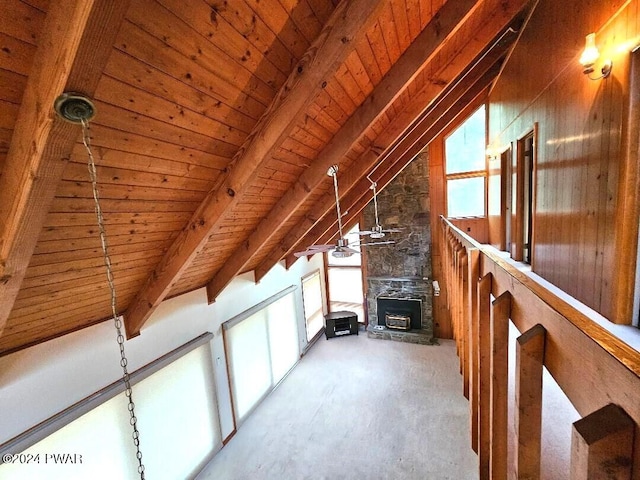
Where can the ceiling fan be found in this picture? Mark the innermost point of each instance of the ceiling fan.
(342, 248)
(377, 231)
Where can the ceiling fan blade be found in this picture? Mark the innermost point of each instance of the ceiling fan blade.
(321, 247)
(313, 251)
(363, 232)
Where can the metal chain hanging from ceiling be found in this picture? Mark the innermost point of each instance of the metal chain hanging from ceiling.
(133, 420)
(79, 110)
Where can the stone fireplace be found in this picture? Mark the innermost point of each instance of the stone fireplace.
(398, 277)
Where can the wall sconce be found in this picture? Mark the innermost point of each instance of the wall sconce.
(589, 57)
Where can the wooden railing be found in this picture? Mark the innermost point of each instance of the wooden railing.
(599, 374)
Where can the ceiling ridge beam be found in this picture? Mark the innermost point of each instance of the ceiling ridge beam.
(422, 133)
(76, 40)
(428, 43)
(320, 61)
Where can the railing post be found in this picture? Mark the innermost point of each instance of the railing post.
(464, 323)
(484, 364)
(602, 445)
(457, 304)
(500, 312)
(529, 366)
(472, 294)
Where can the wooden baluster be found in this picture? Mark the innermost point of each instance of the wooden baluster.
(464, 322)
(602, 445)
(445, 262)
(500, 312)
(484, 364)
(461, 268)
(529, 364)
(458, 302)
(449, 262)
(454, 299)
(472, 292)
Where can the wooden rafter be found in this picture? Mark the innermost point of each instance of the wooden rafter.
(447, 110)
(360, 196)
(292, 241)
(74, 46)
(425, 47)
(320, 61)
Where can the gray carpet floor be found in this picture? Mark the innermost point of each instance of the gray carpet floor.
(358, 408)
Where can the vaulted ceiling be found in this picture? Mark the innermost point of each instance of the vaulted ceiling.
(216, 123)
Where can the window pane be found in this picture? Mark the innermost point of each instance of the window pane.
(465, 147)
(102, 437)
(262, 348)
(250, 366)
(345, 290)
(176, 418)
(182, 395)
(283, 337)
(465, 197)
(312, 303)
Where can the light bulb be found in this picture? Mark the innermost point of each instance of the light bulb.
(590, 53)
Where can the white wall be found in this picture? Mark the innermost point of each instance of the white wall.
(40, 381)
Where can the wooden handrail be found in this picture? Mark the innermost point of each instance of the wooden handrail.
(612, 344)
(595, 369)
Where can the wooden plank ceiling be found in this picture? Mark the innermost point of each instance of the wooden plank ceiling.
(216, 123)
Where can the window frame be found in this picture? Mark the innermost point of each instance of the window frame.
(304, 279)
(469, 173)
(250, 312)
(39, 432)
(328, 267)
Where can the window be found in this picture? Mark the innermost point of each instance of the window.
(177, 420)
(466, 168)
(262, 346)
(312, 304)
(344, 277)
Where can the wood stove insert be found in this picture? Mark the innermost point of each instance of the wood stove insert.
(400, 313)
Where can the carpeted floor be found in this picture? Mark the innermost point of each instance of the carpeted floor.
(358, 408)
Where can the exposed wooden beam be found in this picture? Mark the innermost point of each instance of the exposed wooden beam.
(454, 102)
(322, 59)
(360, 196)
(510, 16)
(425, 47)
(74, 46)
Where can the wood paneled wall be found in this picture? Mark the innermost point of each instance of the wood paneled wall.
(475, 227)
(578, 216)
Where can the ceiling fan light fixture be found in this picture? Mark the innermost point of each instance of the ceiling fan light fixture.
(340, 253)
